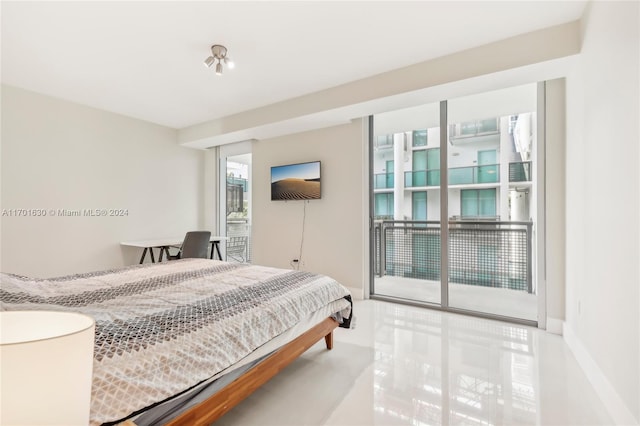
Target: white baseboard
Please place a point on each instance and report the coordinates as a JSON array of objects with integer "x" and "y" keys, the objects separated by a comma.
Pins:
[
  {"x": 555, "y": 325},
  {"x": 607, "y": 393},
  {"x": 356, "y": 293}
]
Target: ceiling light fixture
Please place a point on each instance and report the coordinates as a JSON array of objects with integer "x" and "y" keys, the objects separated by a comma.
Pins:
[{"x": 218, "y": 53}]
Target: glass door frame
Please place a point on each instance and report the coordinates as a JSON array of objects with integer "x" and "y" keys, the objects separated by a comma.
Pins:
[
  {"x": 224, "y": 152},
  {"x": 539, "y": 237}
]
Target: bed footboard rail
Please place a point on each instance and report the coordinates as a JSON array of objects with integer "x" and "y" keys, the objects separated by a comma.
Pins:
[{"x": 231, "y": 395}]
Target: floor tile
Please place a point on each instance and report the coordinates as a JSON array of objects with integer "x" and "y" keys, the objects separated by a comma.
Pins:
[{"x": 405, "y": 365}]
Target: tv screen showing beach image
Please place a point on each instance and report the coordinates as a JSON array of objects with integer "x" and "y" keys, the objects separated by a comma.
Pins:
[{"x": 296, "y": 181}]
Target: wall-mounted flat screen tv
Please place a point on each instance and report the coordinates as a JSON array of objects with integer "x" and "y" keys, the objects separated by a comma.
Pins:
[{"x": 296, "y": 181}]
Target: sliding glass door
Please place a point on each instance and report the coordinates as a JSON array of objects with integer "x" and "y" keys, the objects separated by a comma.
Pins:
[
  {"x": 468, "y": 160},
  {"x": 235, "y": 201},
  {"x": 491, "y": 141},
  {"x": 406, "y": 216}
]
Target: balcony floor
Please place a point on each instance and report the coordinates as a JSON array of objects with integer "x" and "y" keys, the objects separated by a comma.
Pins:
[{"x": 498, "y": 301}]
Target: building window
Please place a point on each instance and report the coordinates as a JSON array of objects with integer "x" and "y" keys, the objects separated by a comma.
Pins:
[
  {"x": 418, "y": 174},
  {"x": 488, "y": 169},
  {"x": 433, "y": 167},
  {"x": 425, "y": 168},
  {"x": 419, "y": 137},
  {"x": 478, "y": 203},
  {"x": 235, "y": 198},
  {"x": 419, "y": 161},
  {"x": 384, "y": 206},
  {"x": 419, "y": 205}
]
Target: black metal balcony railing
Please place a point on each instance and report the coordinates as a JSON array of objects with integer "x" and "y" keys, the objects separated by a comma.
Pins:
[
  {"x": 489, "y": 254},
  {"x": 238, "y": 244},
  {"x": 520, "y": 171}
]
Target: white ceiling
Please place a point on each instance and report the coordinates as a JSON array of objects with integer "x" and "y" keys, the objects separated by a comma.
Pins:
[{"x": 145, "y": 59}]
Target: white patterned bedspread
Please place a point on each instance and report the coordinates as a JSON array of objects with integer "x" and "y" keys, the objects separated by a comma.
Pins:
[{"x": 162, "y": 328}]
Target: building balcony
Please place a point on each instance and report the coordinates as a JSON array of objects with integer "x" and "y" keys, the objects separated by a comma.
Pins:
[
  {"x": 520, "y": 171},
  {"x": 457, "y": 176},
  {"x": 238, "y": 181},
  {"x": 422, "y": 178},
  {"x": 487, "y": 130},
  {"x": 489, "y": 173},
  {"x": 486, "y": 254},
  {"x": 383, "y": 181}
]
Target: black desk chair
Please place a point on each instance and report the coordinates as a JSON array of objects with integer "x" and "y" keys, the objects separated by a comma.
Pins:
[{"x": 195, "y": 245}]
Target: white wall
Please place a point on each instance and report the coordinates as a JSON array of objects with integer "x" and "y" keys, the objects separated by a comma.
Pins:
[
  {"x": 60, "y": 155},
  {"x": 554, "y": 200},
  {"x": 335, "y": 241},
  {"x": 603, "y": 208}
]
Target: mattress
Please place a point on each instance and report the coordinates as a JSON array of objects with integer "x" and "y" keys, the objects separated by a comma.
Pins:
[{"x": 163, "y": 328}]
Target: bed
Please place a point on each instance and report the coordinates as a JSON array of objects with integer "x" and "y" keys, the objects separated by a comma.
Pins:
[{"x": 182, "y": 342}]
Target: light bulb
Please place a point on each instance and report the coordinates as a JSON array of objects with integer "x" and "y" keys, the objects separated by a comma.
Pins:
[
  {"x": 219, "y": 68},
  {"x": 209, "y": 61},
  {"x": 229, "y": 63}
]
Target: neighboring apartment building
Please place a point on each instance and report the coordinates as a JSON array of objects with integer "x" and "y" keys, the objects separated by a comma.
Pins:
[
  {"x": 490, "y": 199},
  {"x": 489, "y": 169}
]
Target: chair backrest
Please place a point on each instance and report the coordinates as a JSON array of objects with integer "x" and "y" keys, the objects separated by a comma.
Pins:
[{"x": 195, "y": 244}]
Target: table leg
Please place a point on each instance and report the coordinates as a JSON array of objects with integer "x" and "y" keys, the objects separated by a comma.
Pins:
[
  {"x": 144, "y": 253},
  {"x": 153, "y": 260},
  {"x": 216, "y": 244}
]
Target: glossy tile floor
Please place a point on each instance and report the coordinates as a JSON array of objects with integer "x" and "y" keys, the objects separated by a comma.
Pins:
[{"x": 405, "y": 365}]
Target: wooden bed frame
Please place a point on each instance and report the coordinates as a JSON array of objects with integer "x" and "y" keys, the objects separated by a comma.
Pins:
[{"x": 231, "y": 395}]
